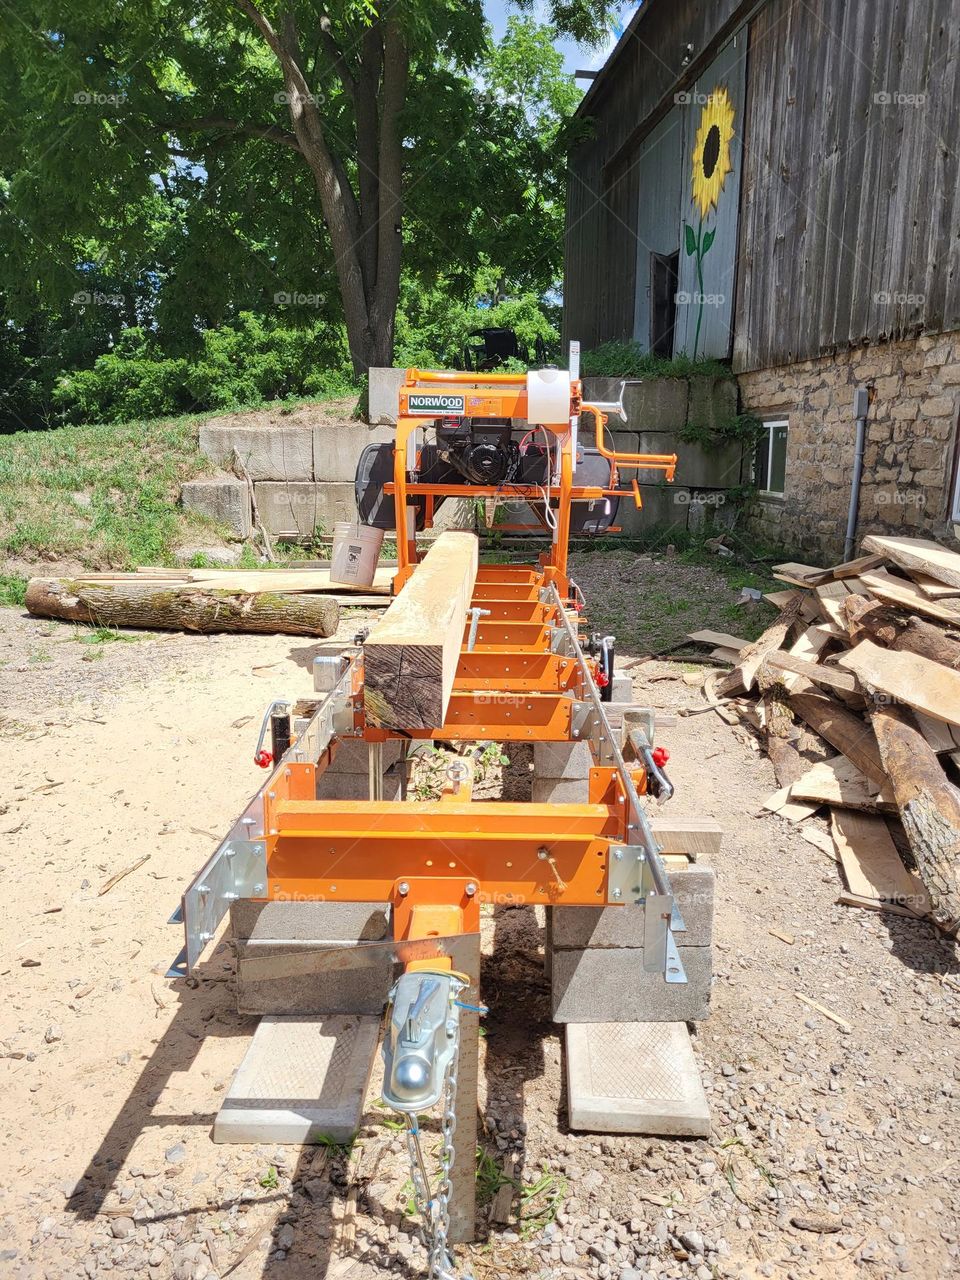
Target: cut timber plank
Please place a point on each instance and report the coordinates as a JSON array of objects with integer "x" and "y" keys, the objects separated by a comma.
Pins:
[
  {"x": 912, "y": 635},
  {"x": 928, "y": 686},
  {"x": 695, "y": 837},
  {"x": 886, "y": 587},
  {"x": 871, "y": 863},
  {"x": 246, "y": 581},
  {"x": 838, "y": 782},
  {"x": 932, "y": 587},
  {"x": 795, "y": 810},
  {"x": 725, "y": 655},
  {"x": 929, "y": 810},
  {"x": 719, "y": 638},
  {"x": 942, "y": 737},
  {"x": 814, "y": 671},
  {"x": 801, "y": 575},
  {"x": 918, "y": 553},
  {"x": 820, "y": 840},
  {"x": 410, "y": 656}
]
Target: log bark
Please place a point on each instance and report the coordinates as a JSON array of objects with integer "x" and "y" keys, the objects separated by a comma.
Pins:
[
  {"x": 929, "y": 810},
  {"x": 909, "y": 634},
  {"x": 751, "y": 658},
  {"x": 158, "y": 605},
  {"x": 841, "y": 728}
]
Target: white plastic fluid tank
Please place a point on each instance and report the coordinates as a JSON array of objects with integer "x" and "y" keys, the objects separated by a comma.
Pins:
[{"x": 548, "y": 397}]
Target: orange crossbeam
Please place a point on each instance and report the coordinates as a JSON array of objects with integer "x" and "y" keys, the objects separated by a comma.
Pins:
[{"x": 538, "y": 672}]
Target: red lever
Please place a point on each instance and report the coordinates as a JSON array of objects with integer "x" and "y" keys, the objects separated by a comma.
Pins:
[
  {"x": 264, "y": 759},
  {"x": 660, "y": 756},
  {"x": 602, "y": 678}
]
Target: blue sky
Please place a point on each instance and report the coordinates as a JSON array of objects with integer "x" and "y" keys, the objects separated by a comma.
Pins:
[{"x": 576, "y": 57}]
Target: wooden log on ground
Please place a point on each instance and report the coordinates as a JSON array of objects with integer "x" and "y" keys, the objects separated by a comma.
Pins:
[
  {"x": 840, "y": 727},
  {"x": 929, "y": 810},
  {"x": 753, "y": 655},
  {"x": 159, "y": 605},
  {"x": 410, "y": 656},
  {"x": 908, "y": 634}
]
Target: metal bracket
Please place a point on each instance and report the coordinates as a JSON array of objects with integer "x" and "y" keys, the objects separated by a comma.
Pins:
[
  {"x": 588, "y": 724},
  {"x": 238, "y": 869}
]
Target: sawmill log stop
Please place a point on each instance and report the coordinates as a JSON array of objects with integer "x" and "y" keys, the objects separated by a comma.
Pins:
[{"x": 348, "y": 898}]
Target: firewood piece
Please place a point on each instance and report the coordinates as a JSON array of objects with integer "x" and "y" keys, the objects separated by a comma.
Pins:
[
  {"x": 751, "y": 658},
  {"x": 840, "y": 727},
  {"x": 909, "y": 635},
  {"x": 410, "y": 656},
  {"x": 172, "y": 607},
  {"x": 929, "y": 810},
  {"x": 906, "y": 677},
  {"x": 918, "y": 553}
]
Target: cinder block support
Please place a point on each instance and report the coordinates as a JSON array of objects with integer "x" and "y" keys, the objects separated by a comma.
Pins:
[
  {"x": 347, "y": 777},
  {"x": 581, "y": 927},
  {"x": 224, "y": 499},
  {"x": 278, "y": 928},
  {"x": 610, "y": 984}
]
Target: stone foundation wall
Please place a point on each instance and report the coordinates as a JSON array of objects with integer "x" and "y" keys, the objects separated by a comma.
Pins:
[{"x": 910, "y": 453}]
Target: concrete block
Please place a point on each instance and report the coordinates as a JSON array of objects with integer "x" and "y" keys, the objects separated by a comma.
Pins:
[
  {"x": 353, "y": 755},
  {"x": 383, "y": 399},
  {"x": 337, "y": 448},
  {"x": 302, "y": 1080},
  {"x": 561, "y": 791},
  {"x": 303, "y": 508},
  {"x": 580, "y": 927},
  {"x": 622, "y": 687},
  {"x": 280, "y": 924},
  {"x": 268, "y": 453},
  {"x": 224, "y": 499},
  {"x": 664, "y": 507},
  {"x": 562, "y": 760},
  {"x": 610, "y": 984},
  {"x": 355, "y": 786},
  {"x": 634, "y": 1077}
]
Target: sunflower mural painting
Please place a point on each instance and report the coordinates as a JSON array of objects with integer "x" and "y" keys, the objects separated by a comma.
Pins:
[{"x": 711, "y": 165}]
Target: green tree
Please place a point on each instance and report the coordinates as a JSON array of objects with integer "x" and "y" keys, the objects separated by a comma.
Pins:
[{"x": 280, "y": 140}]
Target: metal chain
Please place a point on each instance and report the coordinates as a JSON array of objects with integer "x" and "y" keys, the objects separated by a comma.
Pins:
[{"x": 434, "y": 1209}]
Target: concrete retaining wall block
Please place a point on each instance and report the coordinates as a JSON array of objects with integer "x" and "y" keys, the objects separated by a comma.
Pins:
[
  {"x": 337, "y": 449},
  {"x": 223, "y": 499},
  {"x": 303, "y": 507},
  {"x": 268, "y": 453}
]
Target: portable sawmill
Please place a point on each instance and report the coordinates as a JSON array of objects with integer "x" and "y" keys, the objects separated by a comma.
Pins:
[{"x": 465, "y": 653}]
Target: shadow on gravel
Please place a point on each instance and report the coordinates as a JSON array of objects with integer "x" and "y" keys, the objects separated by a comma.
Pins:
[{"x": 920, "y": 946}]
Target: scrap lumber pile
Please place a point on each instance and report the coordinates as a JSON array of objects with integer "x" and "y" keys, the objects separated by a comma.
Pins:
[
  {"x": 300, "y": 602},
  {"x": 854, "y": 693}
]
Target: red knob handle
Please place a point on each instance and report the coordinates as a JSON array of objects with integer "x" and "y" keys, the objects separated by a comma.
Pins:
[
  {"x": 602, "y": 679},
  {"x": 660, "y": 756},
  {"x": 264, "y": 759}
]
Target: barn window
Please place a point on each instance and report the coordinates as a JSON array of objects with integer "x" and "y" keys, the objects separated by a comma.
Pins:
[{"x": 770, "y": 463}]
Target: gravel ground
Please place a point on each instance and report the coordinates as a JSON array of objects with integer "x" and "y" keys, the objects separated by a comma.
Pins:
[{"x": 833, "y": 1150}]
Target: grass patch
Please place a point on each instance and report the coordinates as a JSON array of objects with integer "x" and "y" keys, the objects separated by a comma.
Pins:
[
  {"x": 629, "y": 360},
  {"x": 106, "y": 495},
  {"x": 13, "y": 589}
]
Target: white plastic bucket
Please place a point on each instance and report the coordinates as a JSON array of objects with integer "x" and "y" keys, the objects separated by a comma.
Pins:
[{"x": 356, "y": 549}]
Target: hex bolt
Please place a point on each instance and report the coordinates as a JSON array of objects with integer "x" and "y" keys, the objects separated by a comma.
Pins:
[
  {"x": 543, "y": 853},
  {"x": 258, "y": 888},
  {"x": 618, "y": 855},
  {"x": 470, "y": 889},
  {"x": 617, "y": 893},
  {"x": 403, "y": 888}
]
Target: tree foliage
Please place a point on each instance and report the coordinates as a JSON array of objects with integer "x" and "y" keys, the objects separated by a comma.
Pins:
[{"x": 192, "y": 162}]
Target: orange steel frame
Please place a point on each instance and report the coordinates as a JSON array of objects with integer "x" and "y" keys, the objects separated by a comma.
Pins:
[{"x": 436, "y": 862}]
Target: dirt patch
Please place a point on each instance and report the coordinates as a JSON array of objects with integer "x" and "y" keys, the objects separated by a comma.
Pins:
[{"x": 111, "y": 1074}]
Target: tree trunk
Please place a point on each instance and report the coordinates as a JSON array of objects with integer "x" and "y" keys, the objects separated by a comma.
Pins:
[
  {"x": 157, "y": 605},
  {"x": 929, "y": 810}
]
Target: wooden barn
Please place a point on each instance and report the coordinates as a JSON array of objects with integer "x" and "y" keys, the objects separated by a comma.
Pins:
[{"x": 777, "y": 184}]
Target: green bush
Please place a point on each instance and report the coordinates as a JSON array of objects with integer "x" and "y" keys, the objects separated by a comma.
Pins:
[{"x": 235, "y": 366}]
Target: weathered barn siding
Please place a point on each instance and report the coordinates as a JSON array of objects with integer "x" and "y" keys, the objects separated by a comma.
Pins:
[
  {"x": 850, "y": 208},
  {"x": 850, "y": 203},
  {"x": 649, "y": 65}
]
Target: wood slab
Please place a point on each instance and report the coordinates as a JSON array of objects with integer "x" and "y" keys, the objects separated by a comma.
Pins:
[
  {"x": 899, "y": 591},
  {"x": 843, "y": 680},
  {"x": 795, "y": 810},
  {"x": 410, "y": 656},
  {"x": 871, "y": 863},
  {"x": 932, "y": 588},
  {"x": 719, "y": 638},
  {"x": 906, "y": 677},
  {"x": 918, "y": 553},
  {"x": 838, "y": 782},
  {"x": 801, "y": 575}
]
